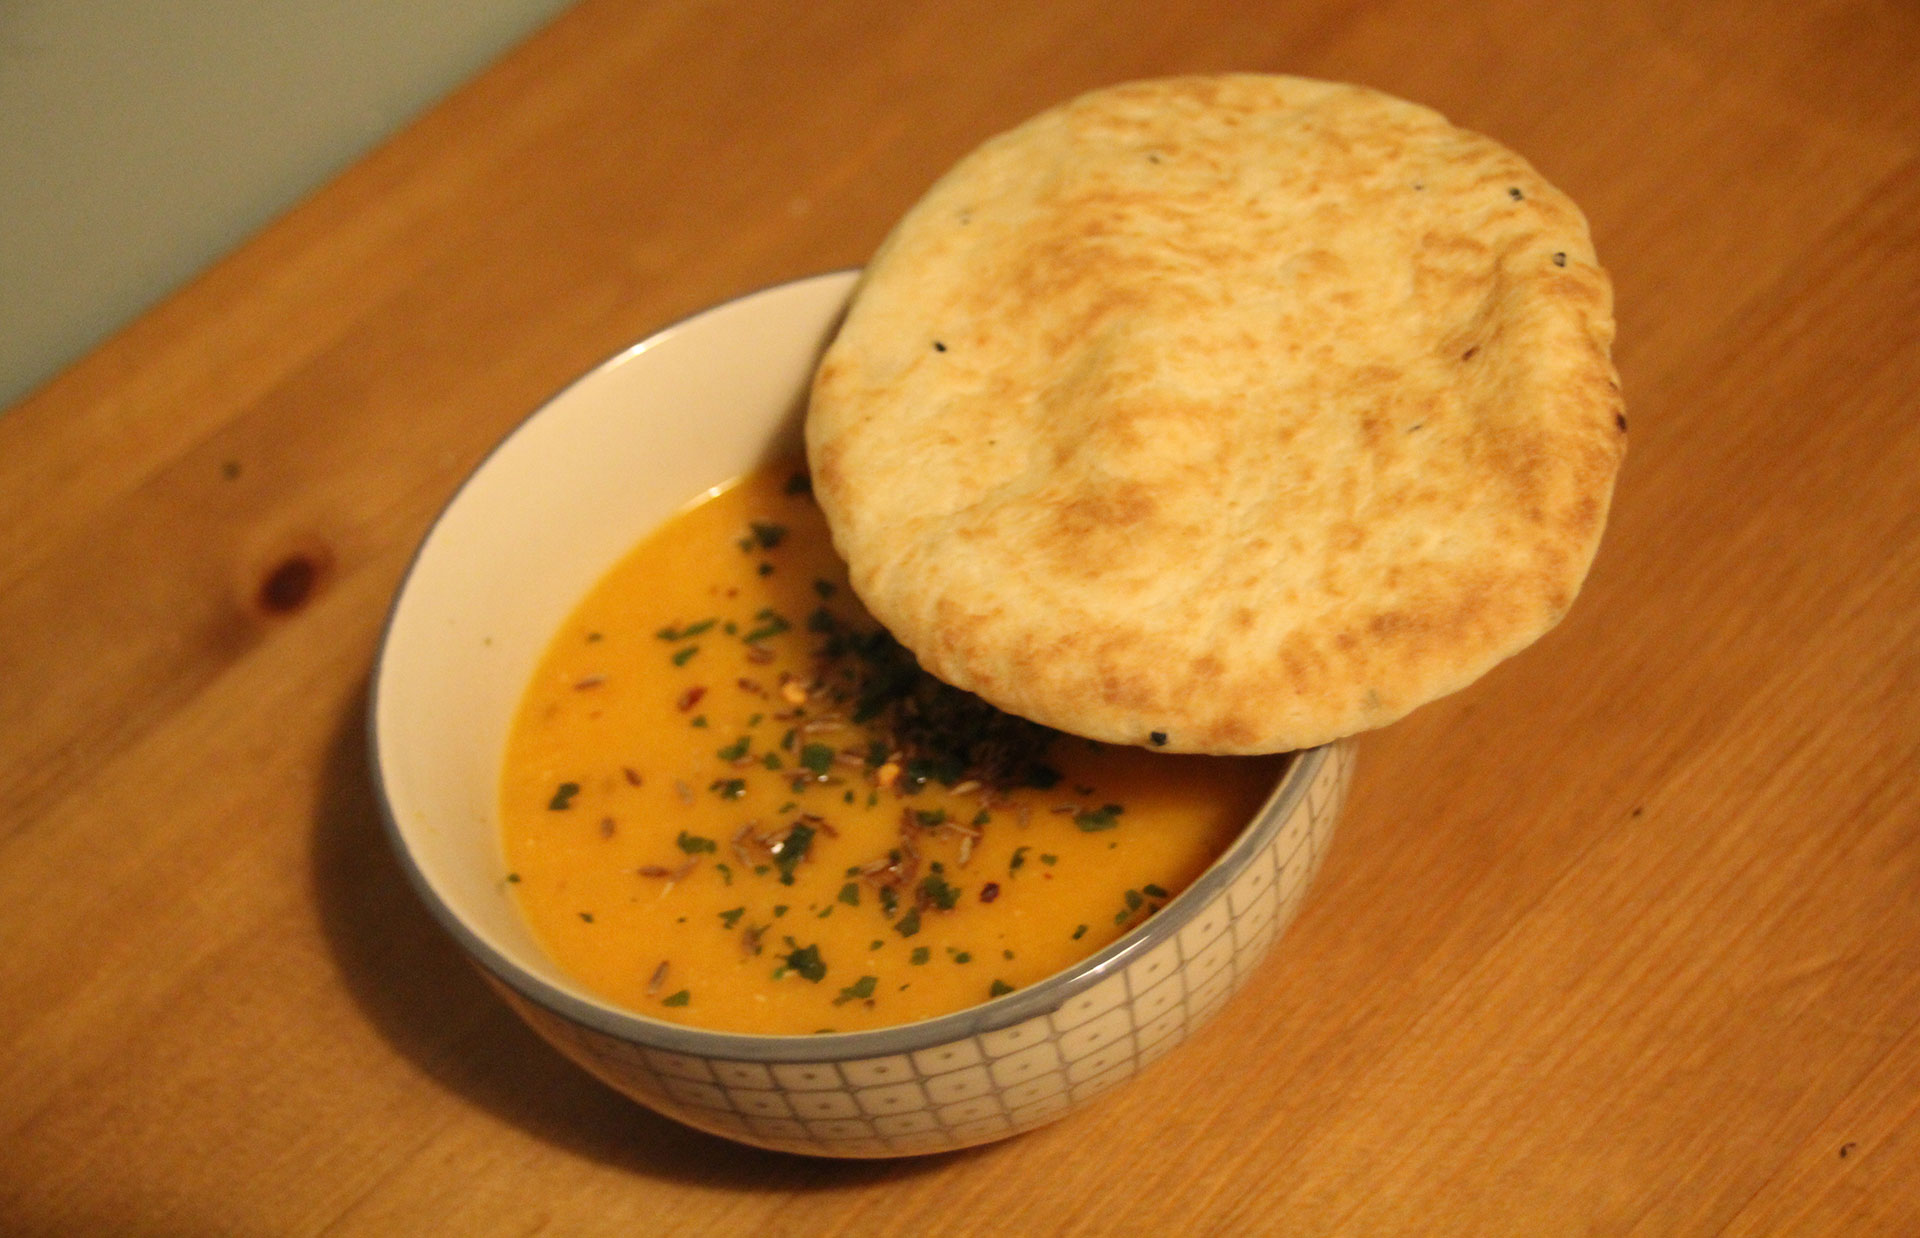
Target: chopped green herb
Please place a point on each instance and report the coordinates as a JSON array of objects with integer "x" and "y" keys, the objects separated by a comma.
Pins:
[
  {"x": 1135, "y": 900},
  {"x": 772, "y": 624},
  {"x": 767, "y": 536},
  {"x": 850, "y": 894},
  {"x": 728, "y": 788},
  {"x": 726, "y": 873},
  {"x": 1049, "y": 860},
  {"x": 1103, "y": 818},
  {"x": 779, "y": 909},
  {"x": 671, "y": 633},
  {"x": 685, "y": 655},
  {"x": 770, "y": 760},
  {"x": 857, "y": 991},
  {"x": 730, "y": 918},
  {"x": 805, "y": 961},
  {"x": 999, "y": 988},
  {"x": 699, "y": 720},
  {"x": 960, "y": 956},
  {"x": 1153, "y": 891},
  {"x": 930, "y": 817},
  {"x": 936, "y": 892},
  {"x": 587, "y": 916},
  {"x": 735, "y": 750},
  {"x": 818, "y": 758},
  {"x": 920, "y": 955},
  {"x": 563, "y": 796},
  {"x": 1019, "y": 860},
  {"x": 693, "y": 844},
  {"x": 982, "y": 817},
  {"x": 1080, "y": 932},
  {"x": 908, "y": 924},
  {"x": 789, "y": 851},
  {"x": 875, "y": 944},
  {"x": 677, "y": 999},
  {"x": 513, "y": 878}
]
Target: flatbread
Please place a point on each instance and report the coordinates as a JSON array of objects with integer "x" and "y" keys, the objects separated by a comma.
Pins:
[{"x": 1223, "y": 414}]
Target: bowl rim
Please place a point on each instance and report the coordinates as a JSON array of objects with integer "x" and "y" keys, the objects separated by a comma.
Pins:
[{"x": 632, "y": 1027}]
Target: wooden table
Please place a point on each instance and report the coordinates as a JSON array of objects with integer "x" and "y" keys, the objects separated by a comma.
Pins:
[{"x": 1624, "y": 938}]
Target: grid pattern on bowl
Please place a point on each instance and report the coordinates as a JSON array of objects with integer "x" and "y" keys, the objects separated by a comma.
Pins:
[{"x": 996, "y": 1083}]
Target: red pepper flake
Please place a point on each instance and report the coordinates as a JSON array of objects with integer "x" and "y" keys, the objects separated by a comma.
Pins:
[
  {"x": 691, "y": 697},
  {"x": 752, "y": 685},
  {"x": 632, "y": 775},
  {"x": 659, "y": 979},
  {"x": 607, "y": 827},
  {"x": 989, "y": 891},
  {"x": 759, "y": 654}
]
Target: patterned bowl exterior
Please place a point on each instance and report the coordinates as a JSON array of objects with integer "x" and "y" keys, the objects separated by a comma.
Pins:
[{"x": 1001, "y": 1068}]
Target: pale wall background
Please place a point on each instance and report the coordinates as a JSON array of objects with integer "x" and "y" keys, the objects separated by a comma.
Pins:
[{"x": 142, "y": 139}]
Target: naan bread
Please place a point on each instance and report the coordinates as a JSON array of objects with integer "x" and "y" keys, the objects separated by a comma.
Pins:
[{"x": 1223, "y": 414}]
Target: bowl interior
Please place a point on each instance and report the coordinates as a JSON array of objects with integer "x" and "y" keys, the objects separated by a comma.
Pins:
[{"x": 547, "y": 513}]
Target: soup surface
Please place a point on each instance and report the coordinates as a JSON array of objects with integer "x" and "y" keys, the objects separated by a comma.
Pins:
[{"x": 730, "y": 800}]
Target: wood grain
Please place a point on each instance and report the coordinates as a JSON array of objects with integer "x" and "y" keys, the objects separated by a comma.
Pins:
[{"x": 1624, "y": 939}]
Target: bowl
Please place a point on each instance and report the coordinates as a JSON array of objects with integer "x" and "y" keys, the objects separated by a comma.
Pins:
[{"x": 562, "y": 498}]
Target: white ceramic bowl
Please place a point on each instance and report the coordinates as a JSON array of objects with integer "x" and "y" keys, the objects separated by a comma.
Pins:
[{"x": 547, "y": 513}]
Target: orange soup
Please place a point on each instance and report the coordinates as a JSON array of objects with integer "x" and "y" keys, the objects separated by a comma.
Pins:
[{"x": 731, "y": 800}]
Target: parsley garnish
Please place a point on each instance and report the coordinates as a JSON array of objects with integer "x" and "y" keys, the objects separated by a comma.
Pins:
[
  {"x": 790, "y": 850},
  {"x": 677, "y": 999},
  {"x": 692, "y": 629},
  {"x": 693, "y": 844},
  {"x": 730, "y": 918},
  {"x": 563, "y": 796},
  {"x": 1103, "y": 818},
  {"x": 805, "y": 961},
  {"x": 818, "y": 758},
  {"x": 733, "y": 751},
  {"x": 858, "y": 990},
  {"x": 999, "y": 988},
  {"x": 936, "y": 892}
]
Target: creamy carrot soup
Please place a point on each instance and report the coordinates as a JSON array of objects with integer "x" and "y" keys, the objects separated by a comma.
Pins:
[{"x": 730, "y": 800}]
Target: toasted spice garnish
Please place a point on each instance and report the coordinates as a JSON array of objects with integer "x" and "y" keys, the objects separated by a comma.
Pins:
[{"x": 659, "y": 978}]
